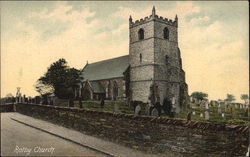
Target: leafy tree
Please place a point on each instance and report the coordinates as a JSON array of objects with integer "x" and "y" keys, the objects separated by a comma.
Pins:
[
  {"x": 9, "y": 95},
  {"x": 230, "y": 98},
  {"x": 9, "y": 98},
  {"x": 61, "y": 79},
  {"x": 199, "y": 95},
  {"x": 43, "y": 89},
  {"x": 244, "y": 97}
]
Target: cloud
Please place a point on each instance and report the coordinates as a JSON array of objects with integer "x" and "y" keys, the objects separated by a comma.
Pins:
[
  {"x": 212, "y": 58},
  {"x": 214, "y": 53},
  {"x": 78, "y": 42}
]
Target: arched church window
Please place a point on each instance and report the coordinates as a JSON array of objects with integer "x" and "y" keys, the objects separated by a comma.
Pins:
[
  {"x": 140, "y": 57},
  {"x": 115, "y": 90},
  {"x": 166, "y": 33},
  {"x": 141, "y": 34}
]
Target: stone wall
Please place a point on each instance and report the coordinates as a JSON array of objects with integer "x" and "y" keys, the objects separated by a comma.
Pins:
[
  {"x": 108, "y": 88},
  {"x": 150, "y": 134},
  {"x": 6, "y": 108}
]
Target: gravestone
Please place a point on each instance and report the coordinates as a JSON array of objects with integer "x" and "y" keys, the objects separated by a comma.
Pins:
[
  {"x": 148, "y": 107},
  {"x": 206, "y": 115},
  {"x": 219, "y": 109},
  {"x": 206, "y": 105},
  {"x": 155, "y": 112},
  {"x": 137, "y": 110},
  {"x": 222, "y": 115},
  {"x": 193, "y": 112},
  {"x": 189, "y": 116},
  {"x": 116, "y": 108},
  {"x": 201, "y": 115},
  {"x": 236, "y": 105}
]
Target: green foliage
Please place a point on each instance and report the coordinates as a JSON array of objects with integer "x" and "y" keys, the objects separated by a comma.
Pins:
[
  {"x": 244, "y": 97},
  {"x": 61, "y": 78},
  {"x": 230, "y": 98},
  {"x": 199, "y": 95}
]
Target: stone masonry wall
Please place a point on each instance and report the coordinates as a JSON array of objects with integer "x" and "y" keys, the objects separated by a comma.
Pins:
[
  {"x": 151, "y": 134},
  {"x": 108, "y": 87}
]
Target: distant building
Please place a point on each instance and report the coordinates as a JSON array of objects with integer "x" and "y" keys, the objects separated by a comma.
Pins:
[{"x": 154, "y": 60}]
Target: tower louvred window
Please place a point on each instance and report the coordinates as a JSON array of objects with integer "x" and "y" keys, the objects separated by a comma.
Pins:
[
  {"x": 141, "y": 34},
  {"x": 166, "y": 33}
]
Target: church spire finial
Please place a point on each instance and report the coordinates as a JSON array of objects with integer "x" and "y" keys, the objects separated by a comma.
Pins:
[{"x": 153, "y": 11}]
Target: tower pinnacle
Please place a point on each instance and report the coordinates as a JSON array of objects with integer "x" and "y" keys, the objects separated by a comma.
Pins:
[
  {"x": 130, "y": 18},
  {"x": 153, "y": 11},
  {"x": 176, "y": 18}
]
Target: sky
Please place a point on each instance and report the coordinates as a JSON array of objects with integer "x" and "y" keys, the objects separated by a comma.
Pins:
[{"x": 213, "y": 39}]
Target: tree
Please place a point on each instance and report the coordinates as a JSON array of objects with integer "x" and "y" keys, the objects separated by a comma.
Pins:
[
  {"x": 244, "y": 97},
  {"x": 43, "y": 89},
  {"x": 199, "y": 95},
  {"x": 61, "y": 78},
  {"x": 230, "y": 98},
  {"x": 9, "y": 98}
]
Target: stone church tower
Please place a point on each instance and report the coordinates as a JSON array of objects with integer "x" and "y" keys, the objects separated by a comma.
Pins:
[{"x": 154, "y": 58}]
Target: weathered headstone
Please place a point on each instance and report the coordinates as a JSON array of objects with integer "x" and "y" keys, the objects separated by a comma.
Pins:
[
  {"x": 148, "y": 106},
  {"x": 222, "y": 115},
  {"x": 219, "y": 109},
  {"x": 116, "y": 108},
  {"x": 206, "y": 105},
  {"x": 193, "y": 112},
  {"x": 189, "y": 116},
  {"x": 206, "y": 115},
  {"x": 154, "y": 112},
  {"x": 236, "y": 105},
  {"x": 137, "y": 110},
  {"x": 201, "y": 115}
]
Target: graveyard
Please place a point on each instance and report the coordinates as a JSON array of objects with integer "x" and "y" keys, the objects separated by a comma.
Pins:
[{"x": 232, "y": 114}]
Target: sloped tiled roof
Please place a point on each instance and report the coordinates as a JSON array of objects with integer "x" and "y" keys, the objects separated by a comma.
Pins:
[{"x": 106, "y": 69}]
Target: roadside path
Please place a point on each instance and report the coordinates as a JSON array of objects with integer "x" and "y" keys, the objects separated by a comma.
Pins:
[{"x": 31, "y": 132}]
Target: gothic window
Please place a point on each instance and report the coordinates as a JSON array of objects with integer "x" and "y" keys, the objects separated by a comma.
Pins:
[
  {"x": 166, "y": 33},
  {"x": 115, "y": 90},
  {"x": 140, "y": 57},
  {"x": 141, "y": 34}
]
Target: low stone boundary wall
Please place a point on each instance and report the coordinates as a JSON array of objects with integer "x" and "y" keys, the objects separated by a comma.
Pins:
[
  {"x": 146, "y": 133},
  {"x": 7, "y": 108},
  {"x": 214, "y": 127}
]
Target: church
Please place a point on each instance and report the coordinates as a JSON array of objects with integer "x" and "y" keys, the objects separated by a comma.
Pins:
[{"x": 153, "y": 67}]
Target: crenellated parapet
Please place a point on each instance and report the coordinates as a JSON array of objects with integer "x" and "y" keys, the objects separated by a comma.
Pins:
[{"x": 152, "y": 17}]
